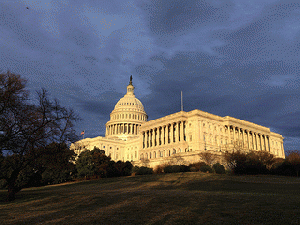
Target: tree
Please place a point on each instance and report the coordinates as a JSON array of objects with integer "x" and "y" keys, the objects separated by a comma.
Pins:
[
  {"x": 207, "y": 157},
  {"x": 247, "y": 163},
  {"x": 55, "y": 164},
  {"x": 95, "y": 163},
  {"x": 27, "y": 126},
  {"x": 293, "y": 159},
  {"x": 84, "y": 164}
]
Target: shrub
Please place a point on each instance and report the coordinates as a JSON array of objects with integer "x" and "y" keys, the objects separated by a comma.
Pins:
[
  {"x": 184, "y": 168},
  {"x": 196, "y": 166},
  {"x": 206, "y": 168},
  {"x": 144, "y": 170},
  {"x": 172, "y": 169},
  {"x": 218, "y": 168},
  {"x": 158, "y": 169},
  {"x": 176, "y": 168},
  {"x": 248, "y": 163}
]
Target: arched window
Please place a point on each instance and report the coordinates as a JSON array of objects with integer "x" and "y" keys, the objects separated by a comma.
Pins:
[
  {"x": 154, "y": 154},
  {"x": 150, "y": 155},
  {"x": 142, "y": 156}
]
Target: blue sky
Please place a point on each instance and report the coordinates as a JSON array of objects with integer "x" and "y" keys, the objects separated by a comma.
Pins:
[{"x": 237, "y": 58}]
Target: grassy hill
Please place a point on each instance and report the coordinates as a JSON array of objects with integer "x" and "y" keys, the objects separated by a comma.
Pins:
[{"x": 185, "y": 198}]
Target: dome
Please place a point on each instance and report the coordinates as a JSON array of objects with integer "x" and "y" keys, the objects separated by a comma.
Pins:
[
  {"x": 127, "y": 116},
  {"x": 129, "y": 103}
]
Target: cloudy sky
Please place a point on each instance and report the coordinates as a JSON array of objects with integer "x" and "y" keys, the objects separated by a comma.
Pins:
[{"x": 236, "y": 58}]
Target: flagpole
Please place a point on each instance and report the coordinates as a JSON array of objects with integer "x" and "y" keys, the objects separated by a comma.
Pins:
[{"x": 181, "y": 102}]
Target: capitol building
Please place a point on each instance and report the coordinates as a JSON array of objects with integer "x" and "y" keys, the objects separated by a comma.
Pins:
[{"x": 175, "y": 138}]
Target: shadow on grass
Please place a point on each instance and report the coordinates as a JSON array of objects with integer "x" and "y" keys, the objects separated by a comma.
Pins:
[{"x": 183, "y": 198}]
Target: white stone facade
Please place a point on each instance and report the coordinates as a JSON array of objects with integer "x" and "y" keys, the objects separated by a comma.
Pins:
[{"x": 183, "y": 135}]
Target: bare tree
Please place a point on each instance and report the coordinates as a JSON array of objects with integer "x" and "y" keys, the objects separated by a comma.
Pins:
[
  {"x": 24, "y": 127},
  {"x": 207, "y": 157}
]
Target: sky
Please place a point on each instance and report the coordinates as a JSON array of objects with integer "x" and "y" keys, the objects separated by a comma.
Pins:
[{"x": 237, "y": 58}]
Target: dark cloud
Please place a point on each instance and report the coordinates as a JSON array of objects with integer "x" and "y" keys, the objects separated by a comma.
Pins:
[
  {"x": 230, "y": 58},
  {"x": 170, "y": 17}
]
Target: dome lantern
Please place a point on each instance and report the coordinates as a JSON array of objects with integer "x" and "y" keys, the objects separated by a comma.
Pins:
[{"x": 130, "y": 87}]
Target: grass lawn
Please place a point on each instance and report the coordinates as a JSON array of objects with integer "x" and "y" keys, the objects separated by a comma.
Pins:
[{"x": 182, "y": 198}]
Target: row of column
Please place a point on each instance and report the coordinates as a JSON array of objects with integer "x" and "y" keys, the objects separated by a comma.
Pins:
[
  {"x": 129, "y": 116},
  {"x": 249, "y": 139},
  {"x": 162, "y": 135},
  {"x": 122, "y": 128}
]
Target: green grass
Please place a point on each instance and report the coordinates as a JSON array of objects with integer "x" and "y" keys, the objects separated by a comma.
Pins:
[{"x": 183, "y": 198}]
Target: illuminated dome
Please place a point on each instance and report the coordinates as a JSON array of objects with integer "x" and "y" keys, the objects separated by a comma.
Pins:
[
  {"x": 127, "y": 116},
  {"x": 129, "y": 102}
]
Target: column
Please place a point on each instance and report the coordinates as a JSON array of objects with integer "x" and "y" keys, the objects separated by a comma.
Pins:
[
  {"x": 238, "y": 136},
  {"x": 181, "y": 131},
  {"x": 173, "y": 134},
  {"x": 229, "y": 136},
  {"x": 248, "y": 139},
  {"x": 148, "y": 134},
  {"x": 267, "y": 143},
  {"x": 168, "y": 133},
  {"x": 177, "y": 132},
  {"x": 184, "y": 131},
  {"x": 256, "y": 141},
  {"x": 233, "y": 135},
  {"x": 243, "y": 139},
  {"x": 153, "y": 136},
  {"x": 164, "y": 135}
]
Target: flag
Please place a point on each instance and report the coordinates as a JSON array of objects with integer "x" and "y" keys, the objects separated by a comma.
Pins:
[{"x": 82, "y": 133}]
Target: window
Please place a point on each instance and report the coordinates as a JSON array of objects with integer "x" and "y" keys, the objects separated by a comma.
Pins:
[{"x": 191, "y": 138}]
